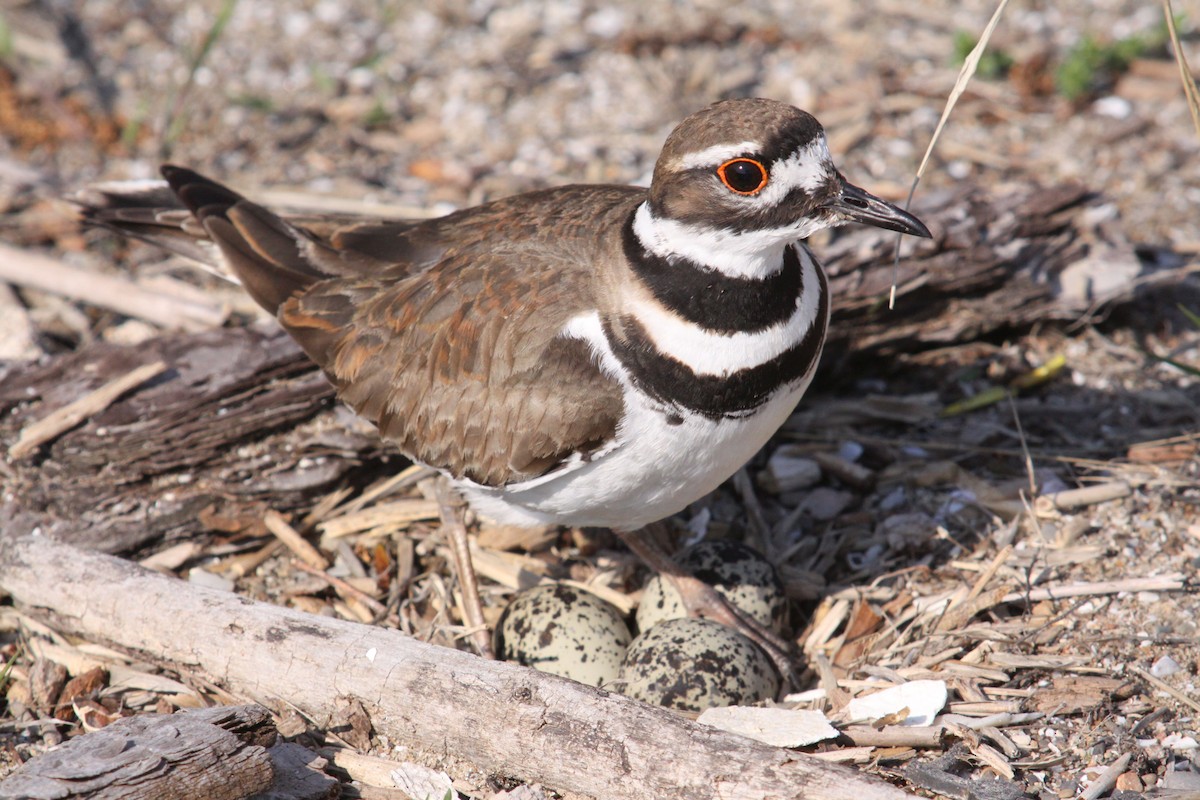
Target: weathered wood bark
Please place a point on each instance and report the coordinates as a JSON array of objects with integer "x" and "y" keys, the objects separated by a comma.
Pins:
[
  {"x": 506, "y": 719},
  {"x": 241, "y": 421},
  {"x": 999, "y": 260},
  {"x": 217, "y": 753}
]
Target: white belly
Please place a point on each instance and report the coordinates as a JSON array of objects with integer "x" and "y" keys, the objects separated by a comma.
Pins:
[{"x": 654, "y": 470}]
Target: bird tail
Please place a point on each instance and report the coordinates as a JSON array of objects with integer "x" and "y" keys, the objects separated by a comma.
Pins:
[{"x": 198, "y": 218}]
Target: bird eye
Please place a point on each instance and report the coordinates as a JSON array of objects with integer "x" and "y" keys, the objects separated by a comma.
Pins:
[{"x": 745, "y": 176}]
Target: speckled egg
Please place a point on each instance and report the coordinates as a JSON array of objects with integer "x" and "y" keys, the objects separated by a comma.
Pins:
[
  {"x": 564, "y": 631},
  {"x": 694, "y": 664},
  {"x": 737, "y": 571}
]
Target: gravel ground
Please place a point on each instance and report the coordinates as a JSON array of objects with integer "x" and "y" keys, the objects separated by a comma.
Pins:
[{"x": 444, "y": 104}]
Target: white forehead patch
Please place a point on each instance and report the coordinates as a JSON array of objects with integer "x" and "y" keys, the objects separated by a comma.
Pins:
[
  {"x": 717, "y": 155},
  {"x": 809, "y": 168}
]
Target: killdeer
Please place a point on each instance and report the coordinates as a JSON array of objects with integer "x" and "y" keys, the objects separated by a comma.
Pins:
[{"x": 583, "y": 355}]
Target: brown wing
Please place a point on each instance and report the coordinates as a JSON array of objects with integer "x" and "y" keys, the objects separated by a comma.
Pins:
[{"x": 444, "y": 333}]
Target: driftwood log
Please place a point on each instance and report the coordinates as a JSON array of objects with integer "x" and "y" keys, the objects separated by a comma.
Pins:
[
  {"x": 224, "y": 753},
  {"x": 239, "y": 421},
  {"x": 506, "y": 719}
]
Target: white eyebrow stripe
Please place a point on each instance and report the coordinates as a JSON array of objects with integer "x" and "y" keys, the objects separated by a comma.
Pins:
[{"x": 717, "y": 155}]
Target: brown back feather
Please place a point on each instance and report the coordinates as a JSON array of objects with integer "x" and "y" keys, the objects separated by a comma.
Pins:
[{"x": 445, "y": 332}]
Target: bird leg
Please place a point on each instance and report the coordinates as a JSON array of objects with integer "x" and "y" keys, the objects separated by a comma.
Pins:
[
  {"x": 702, "y": 600},
  {"x": 456, "y": 536}
]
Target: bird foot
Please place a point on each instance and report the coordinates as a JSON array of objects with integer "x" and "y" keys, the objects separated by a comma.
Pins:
[{"x": 702, "y": 600}]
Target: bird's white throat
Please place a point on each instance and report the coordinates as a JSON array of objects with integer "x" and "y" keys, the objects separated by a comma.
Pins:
[{"x": 754, "y": 254}]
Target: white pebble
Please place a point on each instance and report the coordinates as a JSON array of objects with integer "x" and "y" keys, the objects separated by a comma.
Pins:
[
  {"x": 1113, "y": 106},
  {"x": 1164, "y": 667},
  {"x": 851, "y": 451}
]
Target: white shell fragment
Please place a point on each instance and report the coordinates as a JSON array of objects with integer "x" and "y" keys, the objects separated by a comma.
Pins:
[
  {"x": 779, "y": 727},
  {"x": 564, "y": 631},
  {"x": 923, "y": 699}
]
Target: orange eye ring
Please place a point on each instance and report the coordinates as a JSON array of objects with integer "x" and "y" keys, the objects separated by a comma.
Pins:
[{"x": 743, "y": 176}]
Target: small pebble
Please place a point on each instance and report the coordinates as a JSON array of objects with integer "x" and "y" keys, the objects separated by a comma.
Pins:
[
  {"x": 1164, "y": 667},
  {"x": 786, "y": 472},
  {"x": 1129, "y": 782},
  {"x": 850, "y": 451},
  {"x": 1113, "y": 106},
  {"x": 824, "y": 503}
]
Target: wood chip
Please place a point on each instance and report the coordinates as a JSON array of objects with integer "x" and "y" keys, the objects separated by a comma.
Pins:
[
  {"x": 986, "y": 709},
  {"x": 173, "y": 557},
  {"x": 1075, "y": 694},
  {"x": 846, "y": 755},
  {"x": 923, "y": 736},
  {"x": 836, "y": 696},
  {"x": 993, "y": 758},
  {"x": 516, "y": 537},
  {"x": 285, "y": 533},
  {"x": 848, "y": 472}
]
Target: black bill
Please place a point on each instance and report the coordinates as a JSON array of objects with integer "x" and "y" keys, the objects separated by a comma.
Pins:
[{"x": 857, "y": 205}]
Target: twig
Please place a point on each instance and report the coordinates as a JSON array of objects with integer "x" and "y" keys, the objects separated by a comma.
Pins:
[
  {"x": 1159, "y": 683},
  {"x": 1088, "y": 495},
  {"x": 1108, "y": 779},
  {"x": 58, "y": 422},
  {"x": 36, "y": 271},
  {"x": 970, "y": 64},
  {"x": 394, "y": 513},
  {"x": 1157, "y": 583},
  {"x": 926, "y": 736},
  {"x": 285, "y": 533},
  {"x": 1024, "y": 447},
  {"x": 456, "y": 536},
  {"x": 342, "y": 586},
  {"x": 989, "y": 572},
  {"x": 1002, "y": 720},
  {"x": 1190, "y": 92},
  {"x": 754, "y": 512}
]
